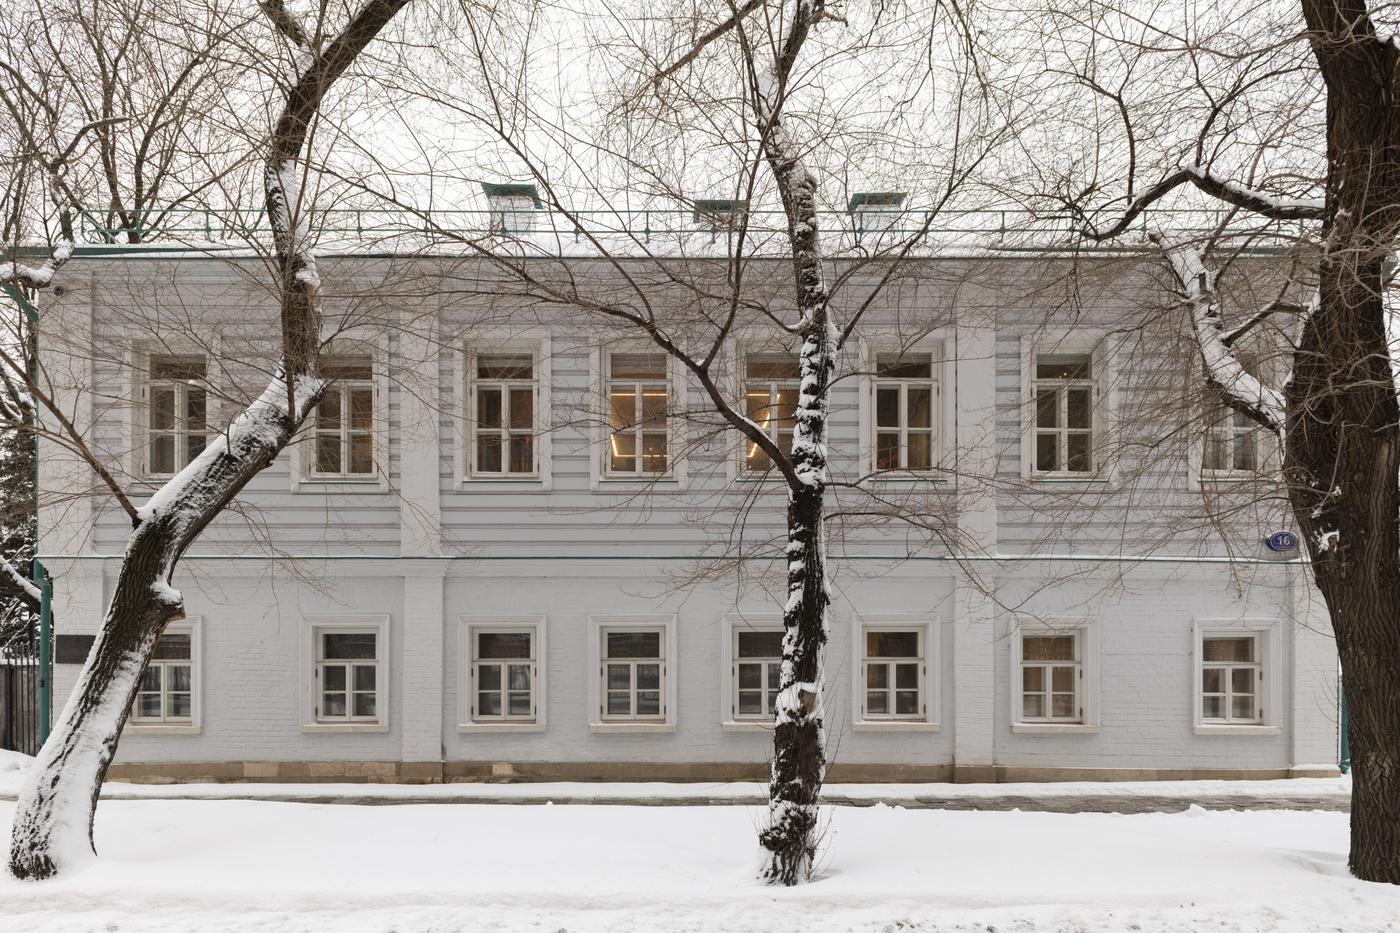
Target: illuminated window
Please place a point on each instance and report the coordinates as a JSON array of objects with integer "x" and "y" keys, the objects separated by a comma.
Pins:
[{"x": 638, "y": 398}]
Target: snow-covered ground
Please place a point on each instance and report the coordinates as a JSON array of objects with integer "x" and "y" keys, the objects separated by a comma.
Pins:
[{"x": 253, "y": 865}]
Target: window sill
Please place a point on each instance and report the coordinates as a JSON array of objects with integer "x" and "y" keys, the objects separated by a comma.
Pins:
[
  {"x": 1054, "y": 728},
  {"x": 349, "y": 486},
  {"x": 158, "y": 728},
  {"x": 327, "y": 728},
  {"x": 1227, "y": 729},
  {"x": 1059, "y": 478},
  {"x": 619, "y": 728},
  {"x": 502, "y": 482},
  {"x": 1207, "y": 478},
  {"x": 870, "y": 725},
  {"x": 738, "y": 725},
  {"x": 477, "y": 728}
]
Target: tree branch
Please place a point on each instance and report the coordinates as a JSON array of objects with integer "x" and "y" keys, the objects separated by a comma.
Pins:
[{"x": 14, "y": 585}]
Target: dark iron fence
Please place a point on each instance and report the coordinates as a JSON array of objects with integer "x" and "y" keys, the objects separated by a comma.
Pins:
[{"x": 19, "y": 700}]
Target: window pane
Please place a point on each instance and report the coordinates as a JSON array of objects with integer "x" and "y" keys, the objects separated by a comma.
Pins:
[
  {"x": 179, "y": 677},
  {"x": 194, "y": 446},
  {"x": 520, "y": 704},
  {"x": 150, "y": 679},
  {"x": 1242, "y": 680},
  {"x": 148, "y": 705},
  {"x": 1063, "y": 705},
  {"x": 1046, "y": 457},
  {"x": 333, "y": 678},
  {"x": 180, "y": 706},
  {"x": 756, "y": 402},
  {"x": 519, "y": 677},
  {"x": 877, "y": 675},
  {"x": 1077, "y": 415},
  {"x": 904, "y": 366},
  {"x": 750, "y": 677},
  {"x": 619, "y": 704},
  {"x": 785, "y": 409},
  {"x": 347, "y": 645},
  {"x": 920, "y": 407},
  {"x": 346, "y": 369},
  {"x": 1210, "y": 680},
  {"x": 624, "y": 453},
  {"x": 488, "y": 704},
  {"x": 333, "y": 704},
  {"x": 638, "y": 366},
  {"x": 892, "y": 644},
  {"x": 887, "y": 406},
  {"x": 488, "y": 453},
  {"x": 162, "y": 408},
  {"x": 775, "y": 676},
  {"x": 877, "y": 702},
  {"x": 177, "y": 368},
  {"x": 653, "y": 453},
  {"x": 1047, "y": 408},
  {"x": 364, "y": 704},
  {"x": 654, "y": 407},
  {"x": 772, "y": 366},
  {"x": 1032, "y": 679},
  {"x": 327, "y": 453},
  {"x": 1047, "y": 647},
  {"x": 1033, "y": 706},
  {"x": 362, "y": 409},
  {"x": 751, "y": 702},
  {"x": 648, "y": 676},
  {"x": 1063, "y": 367},
  {"x": 634, "y": 644},
  {"x": 1244, "y": 452},
  {"x": 505, "y": 366},
  {"x": 906, "y": 702},
  {"x": 1213, "y": 707},
  {"x": 503, "y": 644},
  {"x": 522, "y": 453},
  {"x": 1214, "y": 456},
  {"x": 1229, "y": 649},
  {"x": 328, "y": 412},
  {"x": 1062, "y": 679},
  {"x": 489, "y": 677},
  {"x": 887, "y": 451},
  {"x": 648, "y": 703},
  {"x": 1242, "y": 707},
  {"x": 488, "y": 408},
  {"x": 1079, "y": 461},
  {"x": 522, "y": 408},
  {"x": 364, "y": 677},
  {"x": 623, "y": 407},
  {"x": 760, "y": 644},
  {"x": 361, "y": 454},
  {"x": 163, "y": 454},
  {"x": 906, "y": 676},
  {"x": 174, "y": 646},
  {"x": 194, "y": 409},
  {"x": 619, "y": 677}
]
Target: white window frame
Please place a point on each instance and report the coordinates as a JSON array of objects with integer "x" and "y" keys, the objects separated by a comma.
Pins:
[
  {"x": 1268, "y": 686},
  {"x": 1102, "y": 409},
  {"x": 191, "y": 626},
  {"x": 1086, "y": 634},
  {"x": 600, "y": 476},
  {"x": 730, "y": 627},
  {"x": 304, "y": 478},
  {"x": 468, "y": 628},
  {"x": 943, "y": 414},
  {"x": 598, "y": 626},
  {"x": 536, "y": 342},
  {"x": 312, "y": 627},
  {"x": 931, "y": 654}
]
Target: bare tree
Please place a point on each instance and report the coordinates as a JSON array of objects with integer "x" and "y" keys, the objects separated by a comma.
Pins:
[
  {"x": 53, "y": 821},
  {"x": 1284, "y": 127}
]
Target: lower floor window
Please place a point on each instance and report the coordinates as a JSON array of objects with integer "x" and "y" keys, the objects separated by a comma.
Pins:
[
  {"x": 758, "y": 660},
  {"x": 1050, "y": 676},
  {"x": 893, "y": 671},
  {"x": 347, "y": 675},
  {"x": 1230, "y": 678},
  {"x": 634, "y": 673},
  {"x": 503, "y": 675},
  {"x": 165, "y": 692}
]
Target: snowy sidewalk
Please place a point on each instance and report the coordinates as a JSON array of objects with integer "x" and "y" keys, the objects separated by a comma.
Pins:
[{"x": 219, "y": 866}]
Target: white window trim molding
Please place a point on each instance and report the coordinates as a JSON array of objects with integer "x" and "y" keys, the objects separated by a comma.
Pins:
[
  {"x": 932, "y": 681},
  {"x": 539, "y": 341},
  {"x": 1087, "y": 630},
  {"x": 135, "y": 430},
  {"x": 350, "y": 343},
  {"x": 596, "y": 625},
  {"x": 676, "y": 431},
  {"x": 1102, "y": 351},
  {"x": 730, "y": 624},
  {"x": 1270, "y": 634},
  {"x": 192, "y": 626},
  {"x": 311, "y": 624},
  {"x": 869, "y": 347},
  {"x": 468, "y": 626}
]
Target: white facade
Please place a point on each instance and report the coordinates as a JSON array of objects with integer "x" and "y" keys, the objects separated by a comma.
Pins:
[{"x": 421, "y": 605}]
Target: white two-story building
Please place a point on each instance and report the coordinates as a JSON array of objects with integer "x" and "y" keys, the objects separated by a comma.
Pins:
[{"x": 514, "y": 542}]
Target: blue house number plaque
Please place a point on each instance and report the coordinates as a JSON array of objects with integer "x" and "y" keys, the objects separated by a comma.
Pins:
[{"x": 1282, "y": 541}]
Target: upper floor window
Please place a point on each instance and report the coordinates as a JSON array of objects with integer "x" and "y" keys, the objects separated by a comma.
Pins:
[
  {"x": 905, "y": 391},
  {"x": 638, "y": 398},
  {"x": 771, "y": 383},
  {"x": 1231, "y": 442},
  {"x": 343, "y": 424},
  {"x": 165, "y": 693},
  {"x": 1063, "y": 390},
  {"x": 506, "y": 390},
  {"x": 177, "y": 409}
]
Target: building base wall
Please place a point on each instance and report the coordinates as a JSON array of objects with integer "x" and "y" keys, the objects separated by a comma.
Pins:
[{"x": 504, "y": 772}]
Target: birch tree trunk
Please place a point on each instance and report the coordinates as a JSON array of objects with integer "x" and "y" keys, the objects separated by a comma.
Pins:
[{"x": 52, "y": 827}]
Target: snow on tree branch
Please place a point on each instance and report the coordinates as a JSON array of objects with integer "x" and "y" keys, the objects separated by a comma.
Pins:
[
  {"x": 1243, "y": 391},
  {"x": 14, "y": 584}
]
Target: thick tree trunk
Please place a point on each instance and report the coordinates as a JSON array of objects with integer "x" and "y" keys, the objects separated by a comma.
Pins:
[{"x": 53, "y": 819}]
